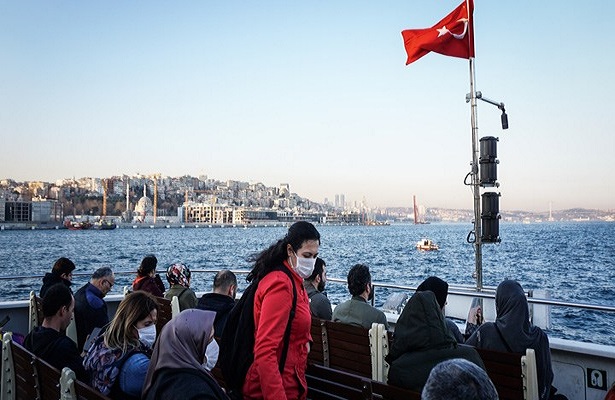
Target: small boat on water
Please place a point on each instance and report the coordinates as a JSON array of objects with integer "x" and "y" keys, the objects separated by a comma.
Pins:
[
  {"x": 77, "y": 225},
  {"x": 104, "y": 225},
  {"x": 426, "y": 245}
]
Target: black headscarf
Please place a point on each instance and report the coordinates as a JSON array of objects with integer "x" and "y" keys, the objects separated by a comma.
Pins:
[{"x": 437, "y": 286}]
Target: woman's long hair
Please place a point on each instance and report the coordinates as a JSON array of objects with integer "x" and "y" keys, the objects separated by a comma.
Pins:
[
  {"x": 275, "y": 255},
  {"x": 135, "y": 307}
]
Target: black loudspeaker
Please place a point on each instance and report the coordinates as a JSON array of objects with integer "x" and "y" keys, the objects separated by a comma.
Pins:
[
  {"x": 490, "y": 217},
  {"x": 488, "y": 161}
]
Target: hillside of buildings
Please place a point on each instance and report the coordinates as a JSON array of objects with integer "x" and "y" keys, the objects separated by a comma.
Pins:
[{"x": 202, "y": 199}]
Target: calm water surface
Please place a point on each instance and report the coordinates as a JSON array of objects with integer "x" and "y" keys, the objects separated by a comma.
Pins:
[{"x": 575, "y": 261}]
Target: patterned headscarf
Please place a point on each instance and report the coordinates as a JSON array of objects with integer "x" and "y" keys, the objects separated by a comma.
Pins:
[{"x": 178, "y": 274}]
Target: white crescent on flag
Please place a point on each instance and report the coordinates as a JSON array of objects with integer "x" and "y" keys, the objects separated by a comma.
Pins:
[{"x": 444, "y": 30}]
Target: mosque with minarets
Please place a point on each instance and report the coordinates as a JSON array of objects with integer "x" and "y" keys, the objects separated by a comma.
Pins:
[{"x": 144, "y": 208}]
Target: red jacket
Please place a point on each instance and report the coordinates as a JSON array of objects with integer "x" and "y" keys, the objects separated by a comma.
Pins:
[
  {"x": 147, "y": 283},
  {"x": 272, "y": 303}
]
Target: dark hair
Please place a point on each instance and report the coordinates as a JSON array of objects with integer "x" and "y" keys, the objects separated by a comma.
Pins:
[
  {"x": 319, "y": 266},
  {"x": 224, "y": 279},
  {"x": 56, "y": 297},
  {"x": 148, "y": 264},
  {"x": 63, "y": 266},
  {"x": 298, "y": 233},
  {"x": 358, "y": 278},
  {"x": 102, "y": 272}
]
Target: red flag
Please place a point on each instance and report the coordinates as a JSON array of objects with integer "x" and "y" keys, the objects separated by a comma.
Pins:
[{"x": 452, "y": 36}]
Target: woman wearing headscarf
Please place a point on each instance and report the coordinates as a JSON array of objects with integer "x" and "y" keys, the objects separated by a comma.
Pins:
[
  {"x": 178, "y": 276},
  {"x": 512, "y": 332},
  {"x": 440, "y": 289},
  {"x": 177, "y": 370},
  {"x": 118, "y": 360},
  {"x": 147, "y": 279},
  {"x": 421, "y": 341}
]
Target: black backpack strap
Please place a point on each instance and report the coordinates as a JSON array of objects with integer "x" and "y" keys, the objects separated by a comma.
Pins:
[{"x": 291, "y": 316}]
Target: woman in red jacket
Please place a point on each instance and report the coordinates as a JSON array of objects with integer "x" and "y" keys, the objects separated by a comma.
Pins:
[
  {"x": 273, "y": 300},
  {"x": 147, "y": 279}
]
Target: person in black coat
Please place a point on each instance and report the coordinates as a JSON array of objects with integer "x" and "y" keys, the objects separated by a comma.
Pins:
[
  {"x": 48, "y": 340},
  {"x": 61, "y": 272},
  {"x": 90, "y": 308},
  {"x": 221, "y": 300}
]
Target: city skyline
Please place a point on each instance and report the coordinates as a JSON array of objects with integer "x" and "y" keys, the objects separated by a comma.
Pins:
[{"x": 315, "y": 95}]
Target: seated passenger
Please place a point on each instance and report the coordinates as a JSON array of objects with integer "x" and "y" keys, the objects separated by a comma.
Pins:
[
  {"x": 458, "y": 379},
  {"x": 90, "y": 308},
  {"x": 177, "y": 370},
  {"x": 512, "y": 332},
  {"x": 320, "y": 306},
  {"x": 221, "y": 300},
  {"x": 118, "y": 359},
  {"x": 178, "y": 276},
  {"x": 48, "y": 340},
  {"x": 61, "y": 272},
  {"x": 421, "y": 341},
  {"x": 440, "y": 289},
  {"x": 147, "y": 279},
  {"x": 357, "y": 311}
]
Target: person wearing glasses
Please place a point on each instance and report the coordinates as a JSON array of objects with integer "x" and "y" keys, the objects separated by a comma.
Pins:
[{"x": 90, "y": 308}]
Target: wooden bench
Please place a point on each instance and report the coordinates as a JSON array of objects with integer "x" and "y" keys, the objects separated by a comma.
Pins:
[
  {"x": 332, "y": 384},
  {"x": 347, "y": 347},
  {"x": 26, "y": 377},
  {"x": 513, "y": 375}
]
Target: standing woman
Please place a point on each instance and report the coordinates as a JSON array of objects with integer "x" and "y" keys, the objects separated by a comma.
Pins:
[
  {"x": 273, "y": 299},
  {"x": 118, "y": 360},
  {"x": 147, "y": 279}
]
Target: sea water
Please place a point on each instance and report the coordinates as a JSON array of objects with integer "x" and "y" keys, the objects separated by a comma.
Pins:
[{"x": 574, "y": 261}]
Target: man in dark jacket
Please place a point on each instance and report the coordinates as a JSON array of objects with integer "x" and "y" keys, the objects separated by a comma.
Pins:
[
  {"x": 320, "y": 306},
  {"x": 421, "y": 341},
  {"x": 221, "y": 300},
  {"x": 90, "y": 308},
  {"x": 61, "y": 272},
  {"x": 47, "y": 341}
]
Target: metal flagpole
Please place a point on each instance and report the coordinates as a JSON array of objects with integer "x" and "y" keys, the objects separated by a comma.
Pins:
[{"x": 478, "y": 251}]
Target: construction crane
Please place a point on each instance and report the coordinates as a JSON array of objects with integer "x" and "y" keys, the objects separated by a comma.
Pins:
[{"x": 104, "y": 206}]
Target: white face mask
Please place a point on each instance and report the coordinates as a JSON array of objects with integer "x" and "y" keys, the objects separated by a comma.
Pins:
[
  {"x": 305, "y": 266},
  {"x": 147, "y": 335},
  {"x": 211, "y": 355}
]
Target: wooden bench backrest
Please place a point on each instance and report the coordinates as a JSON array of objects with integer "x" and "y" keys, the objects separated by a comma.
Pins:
[
  {"x": 317, "y": 354},
  {"x": 328, "y": 383},
  {"x": 26, "y": 383},
  {"x": 504, "y": 370},
  {"x": 49, "y": 379},
  {"x": 165, "y": 313},
  {"x": 348, "y": 348}
]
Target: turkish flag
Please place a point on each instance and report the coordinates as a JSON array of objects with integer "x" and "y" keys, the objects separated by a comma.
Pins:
[{"x": 452, "y": 36}]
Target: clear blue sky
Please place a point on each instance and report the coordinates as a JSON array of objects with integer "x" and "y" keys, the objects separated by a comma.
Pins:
[{"x": 313, "y": 93}]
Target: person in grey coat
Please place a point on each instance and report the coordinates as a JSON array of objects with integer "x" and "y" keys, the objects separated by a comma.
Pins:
[{"x": 357, "y": 311}]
